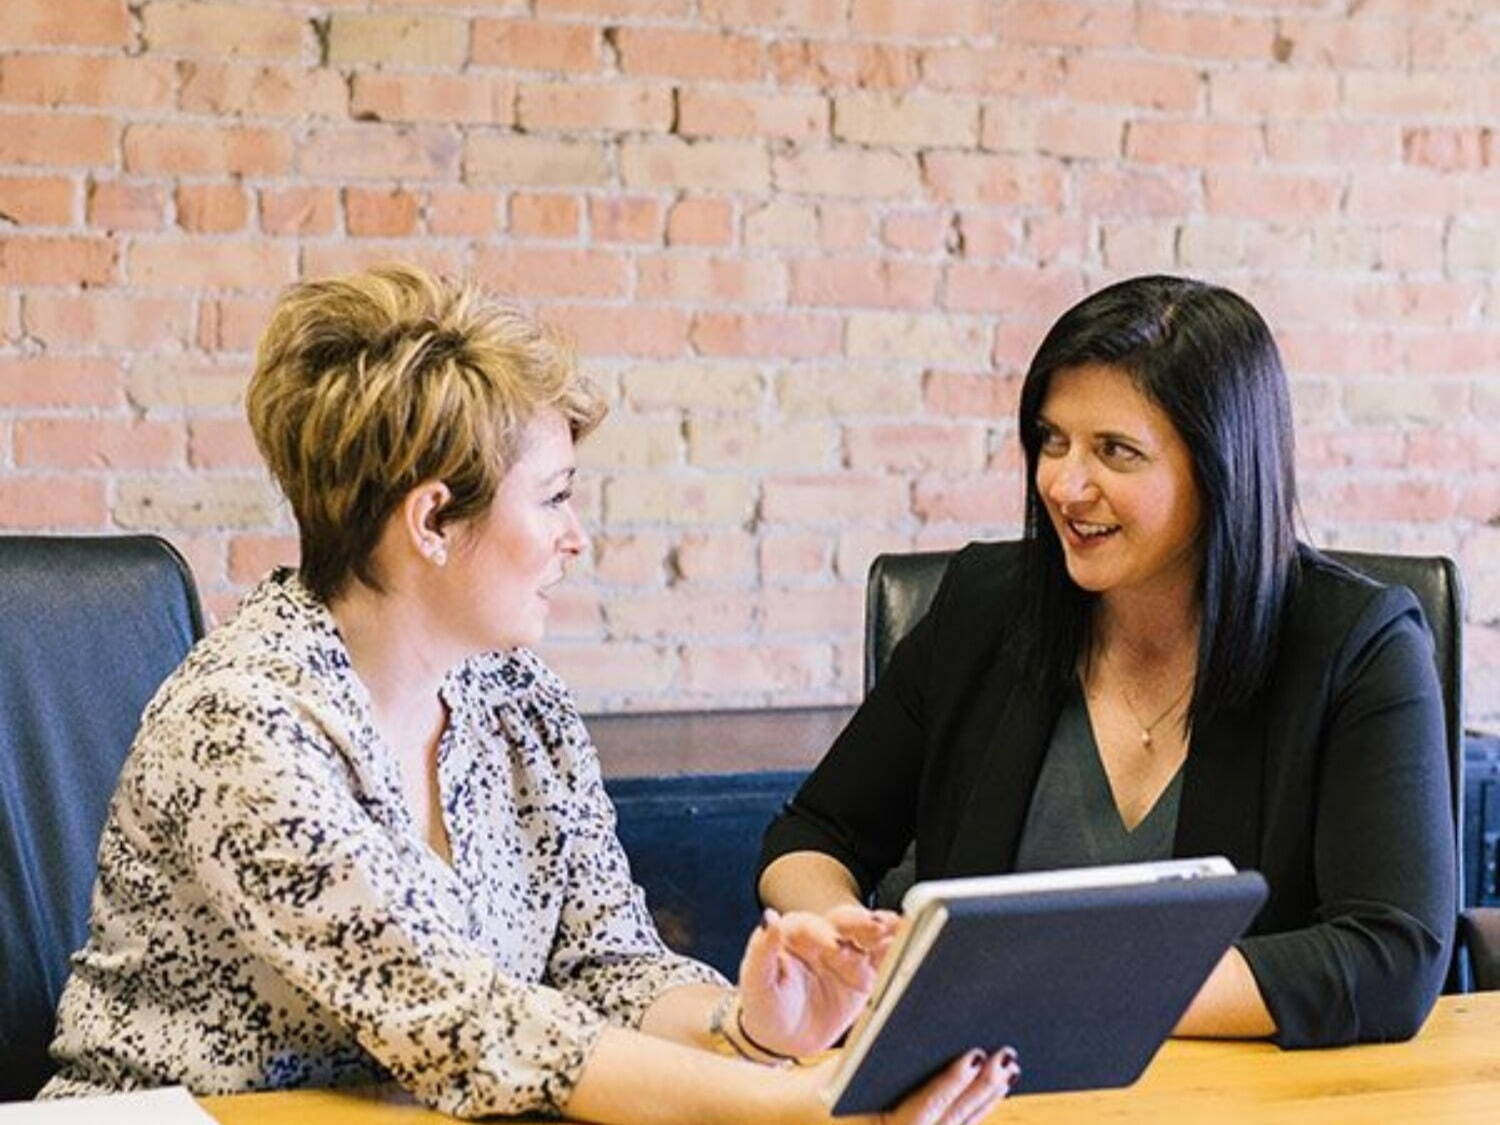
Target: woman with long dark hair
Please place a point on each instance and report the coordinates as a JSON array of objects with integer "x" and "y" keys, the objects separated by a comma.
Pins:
[{"x": 1160, "y": 669}]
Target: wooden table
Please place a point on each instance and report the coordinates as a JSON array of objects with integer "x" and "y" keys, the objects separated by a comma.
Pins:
[{"x": 1450, "y": 1073}]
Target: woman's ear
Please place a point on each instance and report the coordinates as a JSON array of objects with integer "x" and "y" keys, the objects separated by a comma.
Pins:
[{"x": 420, "y": 524}]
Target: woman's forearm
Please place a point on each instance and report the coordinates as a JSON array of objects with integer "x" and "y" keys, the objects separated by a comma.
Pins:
[
  {"x": 1229, "y": 1005},
  {"x": 809, "y": 881},
  {"x": 632, "y": 1078}
]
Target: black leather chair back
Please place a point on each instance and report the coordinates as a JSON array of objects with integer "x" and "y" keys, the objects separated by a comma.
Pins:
[
  {"x": 901, "y": 587},
  {"x": 89, "y": 628}
]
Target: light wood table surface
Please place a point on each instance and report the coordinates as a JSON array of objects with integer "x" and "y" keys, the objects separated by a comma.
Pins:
[{"x": 1449, "y": 1073}]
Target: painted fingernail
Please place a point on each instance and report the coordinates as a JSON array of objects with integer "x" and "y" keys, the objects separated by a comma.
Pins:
[
  {"x": 1007, "y": 1055},
  {"x": 767, "y": 916},
  {"x": 976, "y": 1060}
]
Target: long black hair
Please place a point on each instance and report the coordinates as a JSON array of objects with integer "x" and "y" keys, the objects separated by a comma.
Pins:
[{"x": 1205, "y": 357}]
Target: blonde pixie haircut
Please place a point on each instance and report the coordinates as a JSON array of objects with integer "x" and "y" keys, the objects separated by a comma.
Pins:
[{"x": 367, "y": 385}]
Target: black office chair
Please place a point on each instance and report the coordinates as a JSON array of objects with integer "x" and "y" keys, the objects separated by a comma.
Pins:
[
  {"x": 901, "y": 587},
  {"x": 89, "y": 628}
]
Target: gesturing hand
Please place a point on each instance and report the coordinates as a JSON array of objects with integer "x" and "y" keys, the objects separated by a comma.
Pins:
[{"x": 806, "y": 976}]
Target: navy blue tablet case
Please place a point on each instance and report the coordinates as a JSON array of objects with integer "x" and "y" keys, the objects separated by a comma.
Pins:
[{"x": 1085, "y": 984}]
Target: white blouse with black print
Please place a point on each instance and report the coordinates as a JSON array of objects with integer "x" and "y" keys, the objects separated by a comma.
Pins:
[{"x": 267, "y": 913}]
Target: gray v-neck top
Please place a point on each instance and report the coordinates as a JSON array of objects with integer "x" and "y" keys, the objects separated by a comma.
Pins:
[{"x": 1073, "y": 820}]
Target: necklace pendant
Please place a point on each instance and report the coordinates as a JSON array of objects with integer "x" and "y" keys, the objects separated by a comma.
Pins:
[{"x": 1146, "y": 738}]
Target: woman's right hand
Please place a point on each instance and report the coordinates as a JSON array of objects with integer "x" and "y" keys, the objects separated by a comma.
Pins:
[{"x": 960, "y": 1094}]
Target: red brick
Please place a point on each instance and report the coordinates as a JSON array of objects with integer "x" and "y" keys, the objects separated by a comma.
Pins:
[
  {"x": 826, "y": 609},
  {"x": 1086, "y": 132},
  {"x": 702, "y": 280},
  {"x": 58, "y": 140},
  {"x": 1394, "y": 94},
  {"x": 1067, "y": 23},
  {"x": 59, "y": 381},
  {"x": 1405, "y": 192},
  {"x": 113, "y": 205},
  {"x": 966, "y": 395},
  {"x": 867, "y": 282},
  {"x": 1202, "y": 35},
  {"x": 1341, "y": 42},
  {"x": 715, "y": 113},
  {"x": 830, "y": 65},
  {"x": 715, "y": 558},
  {"x": 1002, "y": 70},
  {"x": 984, "y": 235},
  {"x": 97, "y": 443},
  {"x": 401, "y": 38},
  {"x": 630, "y": 560},
  {"x": 223, "y": 30},
  {"x": 1450, "y": 150},
  {"x": 35, "y": 502},
  {"x": 615, "y": 219},
  {"x": 206, "y": 150},
  {"x": 544, "y": 216},
  {"x": 52, "y": 80},
  {"x": 42, "y": 260},
  {"x": 1146, "y": 83},
  {"x": 790, "y": 15},
  {"x": 911, "y": 446},
  {"x": 233, "y": 324},
  {"x": 212, "y": 208},
  {"x": 766, "y": 334},
  {"x": 1384, "y": 502},
  {"x": 639, "y": 330},
  {"x": 37, "y": 201},
  {"x": 531, "y": 273},
  {"x": 702, "y": 165},
  {"x": 298, "y": 210},
  {"x": 928, "y": 121},
  {"x": 381, "y": 152},
  {"x": 468, "y": 98},
  {"x": 1045, "y": 293},
  {"x": 614, "y": 667},
  {"x": 107, "y": 319},
  {"x": 700, "y": 222},
  {"x": 1194, "y": 143},
  {"x": 212, "y": 265},
  {"x": 919, "y": 232},
  {"x": 1271, "y": 195},
  {"x": 254, "y": 90},
  {"x": 793, "y": 556},
  {"x": 461, "y": 211},
  {"x": 902, "y": 19},
  {"x": 967, "y": 179},
  {"x": 1273, "y": 94},
  {"x": 251, "y": 557},
  {"x": 834, "y": 498},
  {"x": 222, "y": 443},
  {"x": 1464, "y": 44},
  {"x": 353, "y": 254},
  {"x": 1336, "y": 143},
  {"x": 57, "y": 23},
  {"x": 863, "y": 172},
  {"x": 1054, "y": 239},
  {"x": 627, "y": 9},
  {"x": 523, "y": 44},
  {"x": 780, "y": 670},
  {"x": 670, "y": 53},
  {"x": 678, "y": 612},
  {"x": 380, "y": 213},
  {"x": 992, "y": 501},
  {"x": 534, "y": 161},
  {"x": 611, "y": 107}
]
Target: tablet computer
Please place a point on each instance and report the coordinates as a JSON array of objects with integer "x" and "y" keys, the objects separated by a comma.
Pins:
[{"x": 1084, "y": 972}]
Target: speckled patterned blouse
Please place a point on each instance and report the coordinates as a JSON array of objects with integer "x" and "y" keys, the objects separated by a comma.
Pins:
[{"x": 268, "y": 915}]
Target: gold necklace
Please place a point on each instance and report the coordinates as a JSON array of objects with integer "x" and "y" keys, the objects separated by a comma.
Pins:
[{"x": 1148, "y": 728}]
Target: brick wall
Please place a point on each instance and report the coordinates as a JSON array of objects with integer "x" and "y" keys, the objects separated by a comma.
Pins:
[{"x": 805, "y": 245}]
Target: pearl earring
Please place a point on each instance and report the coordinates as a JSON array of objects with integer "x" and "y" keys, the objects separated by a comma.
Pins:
[{"x": 438, "y": 554}]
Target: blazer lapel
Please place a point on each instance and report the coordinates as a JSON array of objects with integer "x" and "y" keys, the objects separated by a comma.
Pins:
[
  {"x": 1015, "y": 733},
  {"x": 1223, "y": 791}
]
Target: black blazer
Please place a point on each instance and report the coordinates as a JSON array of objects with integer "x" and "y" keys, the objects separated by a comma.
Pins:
[{"x": 1333, "y": 784}]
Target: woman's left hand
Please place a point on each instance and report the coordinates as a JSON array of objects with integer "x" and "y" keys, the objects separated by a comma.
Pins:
[{"x": 806, "y": 976}]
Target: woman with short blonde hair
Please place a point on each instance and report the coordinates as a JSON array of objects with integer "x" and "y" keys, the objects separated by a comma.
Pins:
[{"x": 362, "y": 831}]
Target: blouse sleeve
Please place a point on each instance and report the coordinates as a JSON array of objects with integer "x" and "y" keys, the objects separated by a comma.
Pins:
[
  {"x": 1372, "y": 966},
  {"x": 261, "y": 808},
  {"x": 608, "y": 952}
]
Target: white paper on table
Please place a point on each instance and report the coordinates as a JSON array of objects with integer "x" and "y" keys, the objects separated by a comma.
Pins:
[{"x": 171, "y": 1105}]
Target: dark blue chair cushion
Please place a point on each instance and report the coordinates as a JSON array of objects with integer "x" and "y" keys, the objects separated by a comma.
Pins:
[
  {"x": 693, "y": 844},
  {"x": 89, "y": 628}
]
